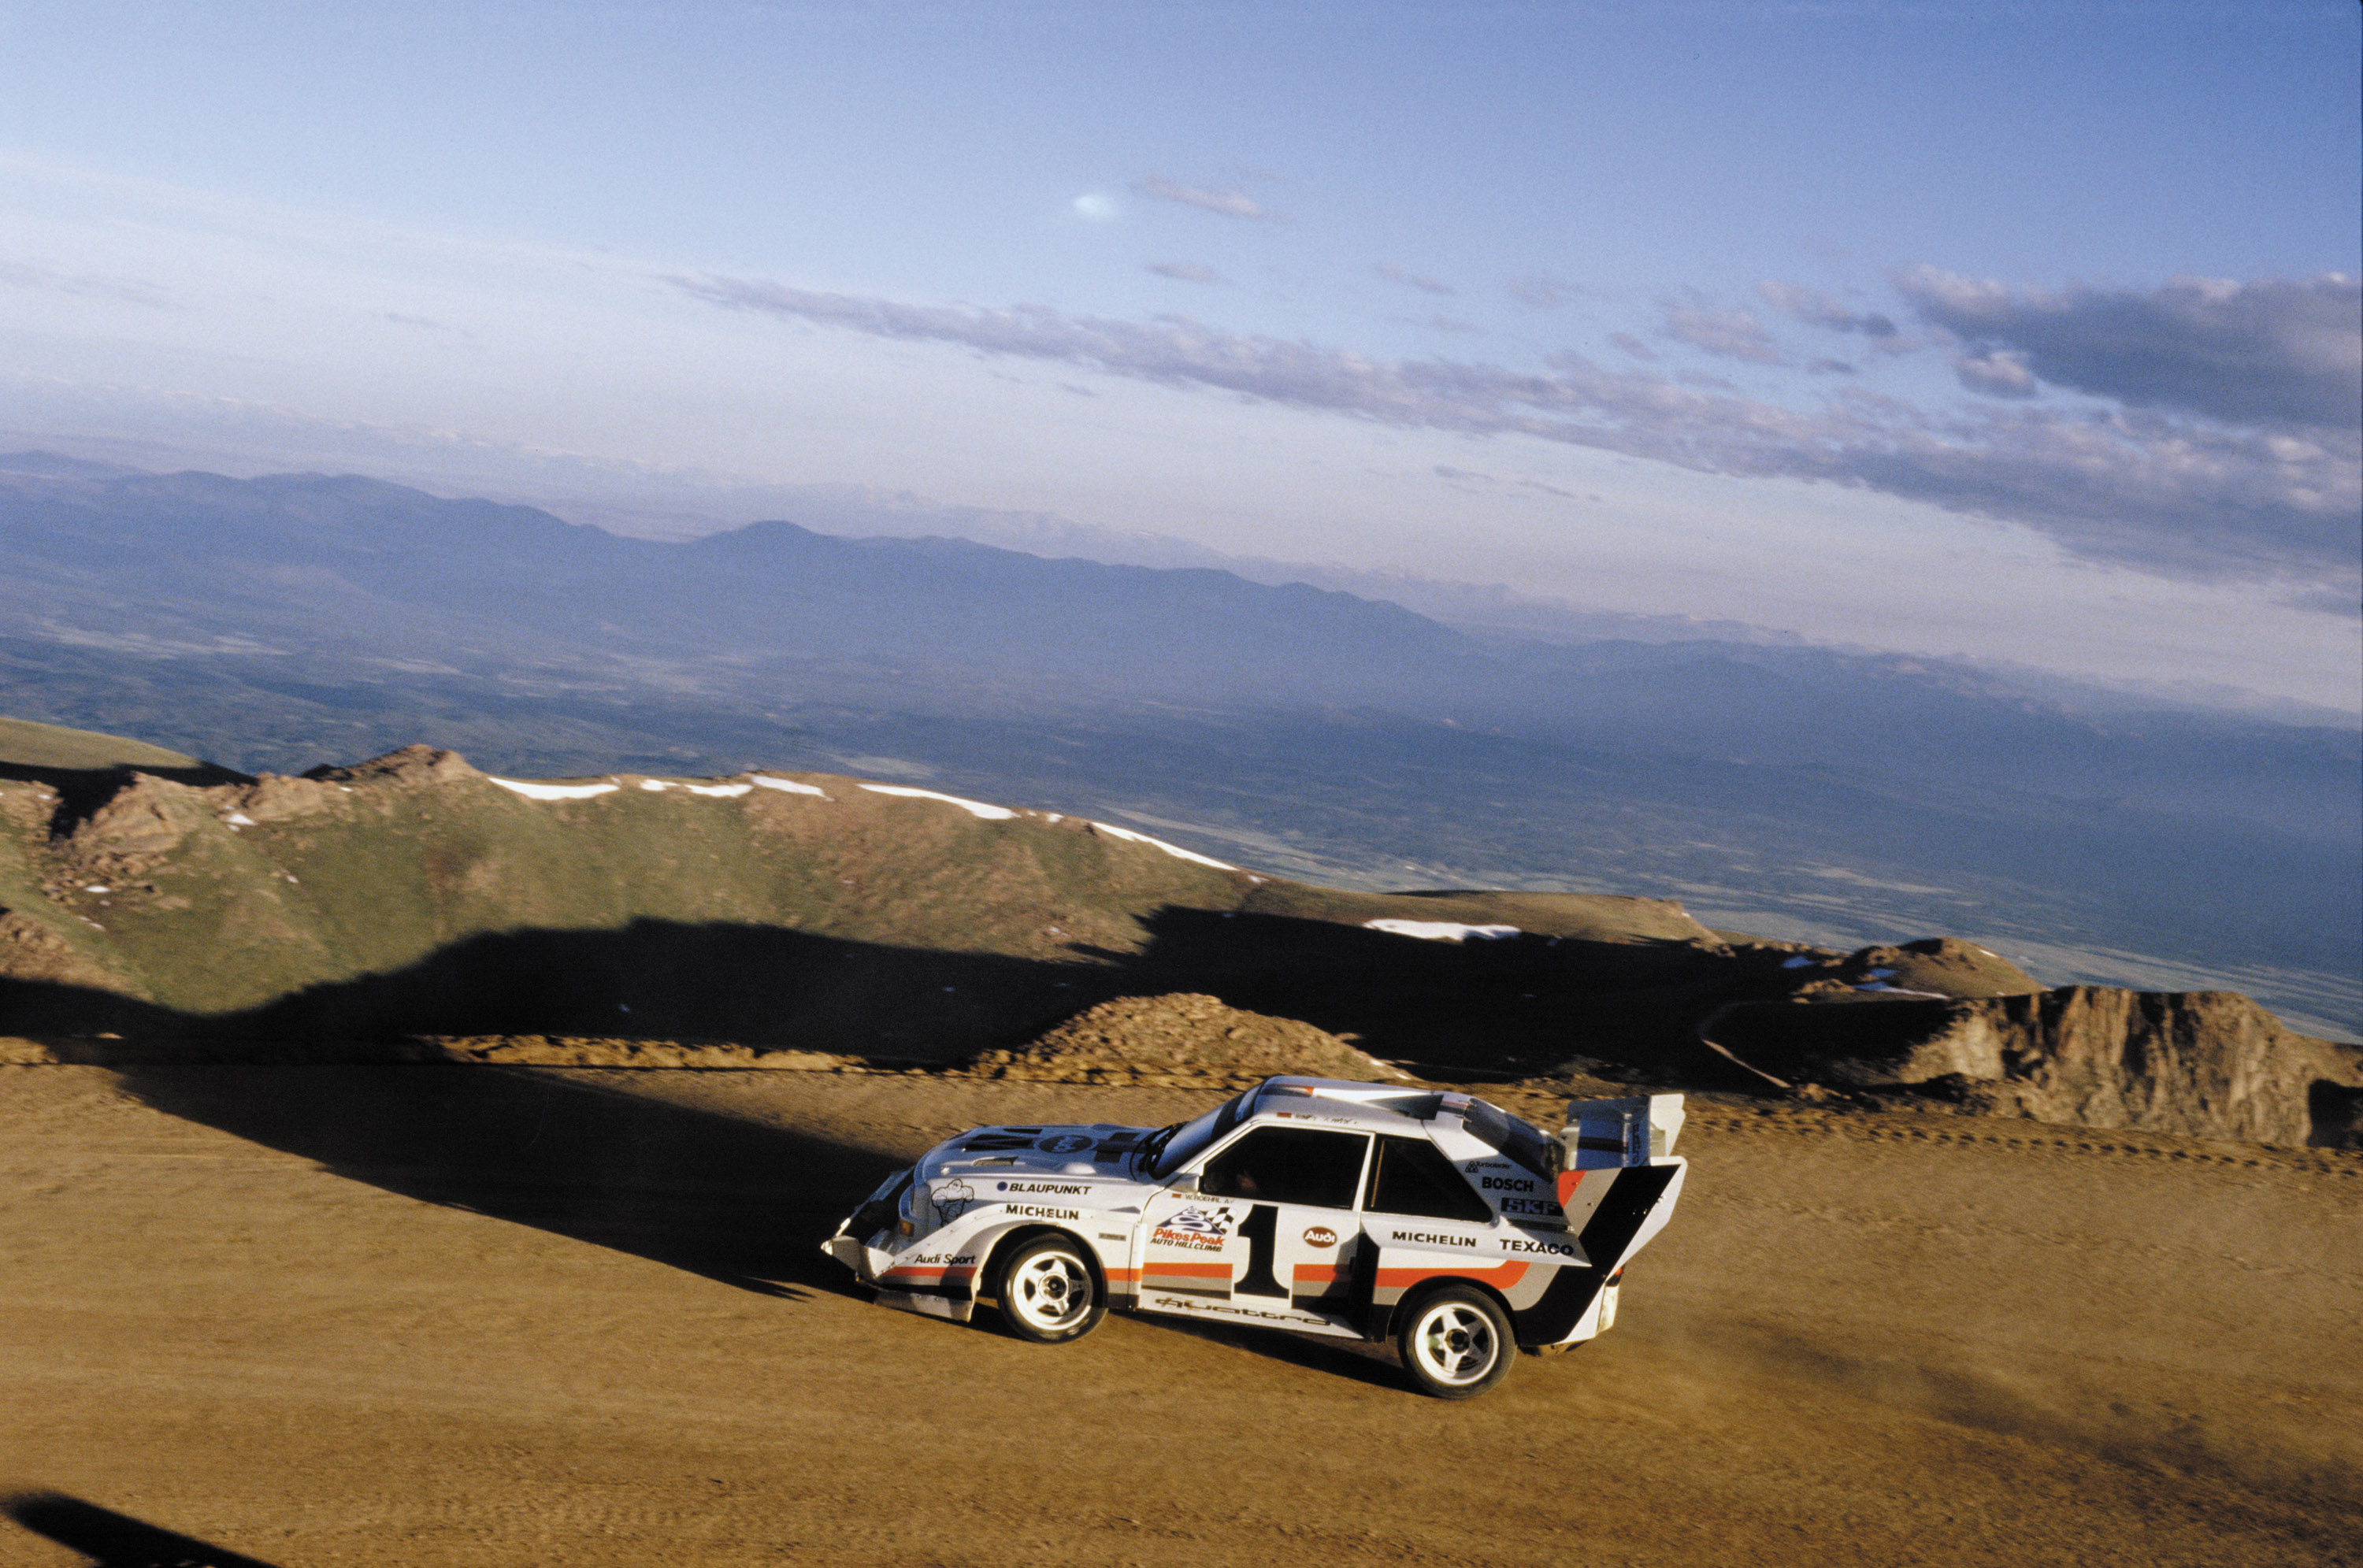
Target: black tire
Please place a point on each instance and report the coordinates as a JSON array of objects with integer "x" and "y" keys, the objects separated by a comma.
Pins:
[
  {"x": 1048, "y": 1292},
  {"x": 1455, "y": 1343}
]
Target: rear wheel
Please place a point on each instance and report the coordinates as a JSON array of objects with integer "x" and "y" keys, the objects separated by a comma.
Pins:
[
  {"x": 1048, "y": 1293},
  {"x": 1456, "y": 1342}
]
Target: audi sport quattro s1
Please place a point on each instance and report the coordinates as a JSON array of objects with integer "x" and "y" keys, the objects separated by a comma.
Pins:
[{"x": 1354, "y": 1210}]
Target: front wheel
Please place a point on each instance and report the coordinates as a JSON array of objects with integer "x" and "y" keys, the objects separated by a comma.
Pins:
[
  {"x": 1047, "y": 1294},
  {"x": 1456, "y": 1344}
]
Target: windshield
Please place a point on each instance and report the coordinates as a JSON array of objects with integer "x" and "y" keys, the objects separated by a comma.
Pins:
[
  {"x": 1168, "y": 1150},
  {"x": 1522, "y": 1140}
]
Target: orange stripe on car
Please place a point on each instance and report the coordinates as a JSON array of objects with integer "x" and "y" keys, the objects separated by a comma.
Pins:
[{"x": 1500, "y": 1277}]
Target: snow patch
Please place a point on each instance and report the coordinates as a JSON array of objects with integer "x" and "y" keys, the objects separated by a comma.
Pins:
[
  {"x": 788, "y": 785},
  {"x": 239, "y": 819},
  {"x": 1796, "y": 961},
  {"x": 719, "y": 791},
  {"x": 655, "y": 784},
  {"x": 1174, "y": 850},
  {"x": 973, "y": 808},
  {"x": 98, "y": 888},
  {"x": 549, "y": 791},
  {"x": 1442, "y": 929}
]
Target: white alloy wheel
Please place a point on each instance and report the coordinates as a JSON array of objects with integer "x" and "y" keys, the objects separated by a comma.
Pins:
[
  {"x": 1047, "y": 1294},
  {"x": 1456, "y": 1344}
]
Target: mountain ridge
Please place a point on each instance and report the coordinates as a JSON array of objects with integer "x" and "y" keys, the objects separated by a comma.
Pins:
[{"x": 774, "y": 918}]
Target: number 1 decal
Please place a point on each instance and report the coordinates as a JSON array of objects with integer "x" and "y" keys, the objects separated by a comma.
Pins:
[{"x": 1261, "y": 1228}]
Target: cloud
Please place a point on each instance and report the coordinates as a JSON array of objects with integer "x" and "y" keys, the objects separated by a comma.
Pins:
[
  {"x": 1394, "y": 274},
  {"x": 1187, "y": 272},
  {"x": 1830, "y": 368},
  {"x": 1554, "y": 489},
  {"x": 1230, "y": 204},
  {"x": 1997, "y": 372},
  {"x": 1812, "y": 306},
  {"x": 1734, "y": 334},
  {"x": 2143, "y": 488},
  {"x": 1543, "y": 291},
  {"x": 2269, "y": 353},
  {"x": 130, "y": 291},
  {"x": 1634, "y": 346},
  {"x": 1095, "y": 207}
]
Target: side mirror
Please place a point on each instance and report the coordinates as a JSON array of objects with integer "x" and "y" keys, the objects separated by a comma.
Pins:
[{"x": 1186, "y": 1182}]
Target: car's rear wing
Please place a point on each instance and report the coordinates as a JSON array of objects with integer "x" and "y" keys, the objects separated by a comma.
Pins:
[
  {"x": 1639, "y": 1130},
  {"x": 1619, "y": 1177}
]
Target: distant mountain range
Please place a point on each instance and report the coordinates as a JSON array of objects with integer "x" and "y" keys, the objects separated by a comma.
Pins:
[{"x": 279, "y": 622}]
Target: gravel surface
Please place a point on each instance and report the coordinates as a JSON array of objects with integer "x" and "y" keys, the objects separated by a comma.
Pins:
[{"x": 453, "y": 1315}]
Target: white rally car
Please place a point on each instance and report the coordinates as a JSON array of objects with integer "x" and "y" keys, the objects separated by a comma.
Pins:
[{"x": 1356, "y": 1211}]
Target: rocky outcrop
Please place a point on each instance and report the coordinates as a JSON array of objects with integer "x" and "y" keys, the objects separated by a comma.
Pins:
[
  {"x": 274, "y": 799},
  {"x": 2206, "y": 1064},
  {"x": 146, "y": 816},
  {"x": 413, "y": 765}
]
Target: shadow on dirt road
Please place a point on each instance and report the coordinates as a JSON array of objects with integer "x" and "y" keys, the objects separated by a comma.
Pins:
[
  {"x": 113, "y": 1540},
  {"x": 731, "y": 1200}
]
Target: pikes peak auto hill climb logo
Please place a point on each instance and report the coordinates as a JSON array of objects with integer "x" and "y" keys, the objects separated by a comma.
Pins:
[{"x": 1194, "y": 1227}]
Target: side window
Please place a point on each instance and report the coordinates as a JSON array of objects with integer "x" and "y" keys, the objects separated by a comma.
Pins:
[
  {"x": 1288, "y": 1165},
  {"x": 1412, "y": 1177}
]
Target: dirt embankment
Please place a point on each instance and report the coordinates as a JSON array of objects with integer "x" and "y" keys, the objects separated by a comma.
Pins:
[
  {"x": 1180, "y": 1042},
  {"x": 2206, "y": 1064}
]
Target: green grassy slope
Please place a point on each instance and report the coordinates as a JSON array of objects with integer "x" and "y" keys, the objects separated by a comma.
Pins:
[
  {"x": 417, "y": 895},
  {"x": 27, "y": 745}
]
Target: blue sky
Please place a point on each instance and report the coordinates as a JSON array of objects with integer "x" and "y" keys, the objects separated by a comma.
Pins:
[{"x": 2026, "y": 332}]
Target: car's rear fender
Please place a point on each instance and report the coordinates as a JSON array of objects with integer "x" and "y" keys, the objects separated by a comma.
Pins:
[
  {"x": 1551, "y": 1286},
  {"x": 1382, "y": 1319}
]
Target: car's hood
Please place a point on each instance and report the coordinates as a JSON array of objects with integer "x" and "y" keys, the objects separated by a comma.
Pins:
[{"x": 1002, "y": 1155}]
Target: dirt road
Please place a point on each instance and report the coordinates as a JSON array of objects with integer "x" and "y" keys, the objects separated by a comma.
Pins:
[{"x": 428, "y": 1316}]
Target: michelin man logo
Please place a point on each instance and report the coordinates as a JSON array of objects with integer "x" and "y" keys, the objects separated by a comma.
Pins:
[{"x": 952, "y": 1199}]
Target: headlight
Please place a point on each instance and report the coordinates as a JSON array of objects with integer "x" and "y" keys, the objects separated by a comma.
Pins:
[{"x": 919, "y": 1214}]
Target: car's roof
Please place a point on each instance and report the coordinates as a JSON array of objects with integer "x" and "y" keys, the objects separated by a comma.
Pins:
[{"x": 1395, "y": 1107}]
